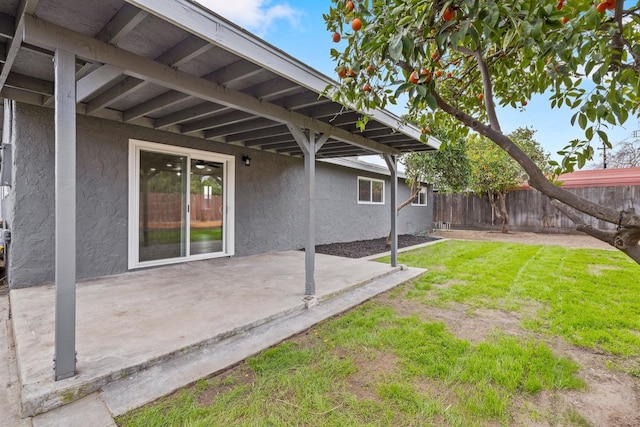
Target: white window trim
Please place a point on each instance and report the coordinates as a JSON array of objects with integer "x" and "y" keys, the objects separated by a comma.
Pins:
[
  {"x": 228, "y": 243},
  {"x": 423, "y": 190},
  {"x": 371, "y": 181}
]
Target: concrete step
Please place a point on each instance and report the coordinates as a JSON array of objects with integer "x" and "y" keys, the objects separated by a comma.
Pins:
[{"x": 173, "y": 373}]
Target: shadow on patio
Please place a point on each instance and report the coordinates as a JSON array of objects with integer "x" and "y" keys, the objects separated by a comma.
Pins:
[{"x": 143, "y": 334}]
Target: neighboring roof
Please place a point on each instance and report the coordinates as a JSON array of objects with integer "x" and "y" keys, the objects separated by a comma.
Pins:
[
  {"x": 598, "y": 178},
  {"x": 355, "y": 163},
  {"x": 175, "y": 66}
]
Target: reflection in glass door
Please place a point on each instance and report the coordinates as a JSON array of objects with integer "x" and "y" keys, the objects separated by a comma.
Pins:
[
  {"x": 162, "y": 219},
  {"x": 206, "y": 216},
  {"x": 180, "y": 204}
]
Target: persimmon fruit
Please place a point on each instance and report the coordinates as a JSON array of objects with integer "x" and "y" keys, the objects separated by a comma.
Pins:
[
  {"x": 448, "y": 14},
  {"x": 336, "y": 37},
  {"x": 356, "y": 24}
]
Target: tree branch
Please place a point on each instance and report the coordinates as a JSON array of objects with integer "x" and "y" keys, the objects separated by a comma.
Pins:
[
  {"x": 623, "y": 239},
  {"x": 536, "y": 178},
  {"x": 487, "y": 85}
]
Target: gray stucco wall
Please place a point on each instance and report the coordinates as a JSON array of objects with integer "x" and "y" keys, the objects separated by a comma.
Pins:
[{"x": 269, "y": 198}]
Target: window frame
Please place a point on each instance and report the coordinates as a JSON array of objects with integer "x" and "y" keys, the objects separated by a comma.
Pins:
[
  {"x": 371, "y": 181},
  {"x": 423, "y": 190}
]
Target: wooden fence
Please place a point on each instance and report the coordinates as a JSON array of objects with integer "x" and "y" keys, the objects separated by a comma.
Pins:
[{"x": 529, "y": 210}]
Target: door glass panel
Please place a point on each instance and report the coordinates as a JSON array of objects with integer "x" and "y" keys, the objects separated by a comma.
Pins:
[
  {"x": 206, "y": 207},
  {"x": 162, "y": 221}
]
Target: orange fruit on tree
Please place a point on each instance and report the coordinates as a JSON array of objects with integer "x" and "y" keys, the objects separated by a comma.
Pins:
[
  {"x": 367, "y": 87},
  {"x": 356, "y": 24},
  {"x": 352, "y": 73},
  {"x": 449, "y": 74},
  {"x": 602, "y": 7},
  {"x": 434, "y": 55},
  {"x": 427, "y": 73},
  {"x": 480, "y": 97},
  {"x": 371, "y": 69},
  {"x": 524, "y": 102},
  {"x": 336, "y": 37},
  {"x": 448, "y": 14},
  {"x": 426, "y": 130},
  {"x": 349, "y": 6},
  {"x": 438, "y": 73},
  {"x": 564, "y": 20},
  {"x": 413, "y": 78},
  {"x": 611, "y": 4},
  {"x": 342, "y": 72}
]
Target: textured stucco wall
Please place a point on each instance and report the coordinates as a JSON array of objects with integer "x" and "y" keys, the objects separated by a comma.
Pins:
[{"x": 269, "y": 198}]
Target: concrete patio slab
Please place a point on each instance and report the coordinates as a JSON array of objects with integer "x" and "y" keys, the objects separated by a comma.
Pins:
[{"x": 138, "y": 320}]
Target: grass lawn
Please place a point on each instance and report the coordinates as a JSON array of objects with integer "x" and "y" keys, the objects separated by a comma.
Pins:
[
  {"x": 388, "y": 363},
  {"x": 173, "y": 235}
]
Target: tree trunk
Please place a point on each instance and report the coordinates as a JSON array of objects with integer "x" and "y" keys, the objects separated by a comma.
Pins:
[
  {"x": 502, "y": 197},
  {"x": 494, "y": 212},
  {"x": 414, "y": 193},
  {"x": 627, "y": 234}
]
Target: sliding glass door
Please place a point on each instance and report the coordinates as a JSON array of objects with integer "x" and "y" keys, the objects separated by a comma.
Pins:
[{"x": 180, "y": 204}]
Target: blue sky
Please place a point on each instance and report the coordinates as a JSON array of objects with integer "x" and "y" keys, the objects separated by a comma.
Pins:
[{"x": 297, "y": 27}]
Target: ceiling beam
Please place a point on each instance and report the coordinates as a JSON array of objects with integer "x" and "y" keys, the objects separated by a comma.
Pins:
[
  {"x": 255, "y": 136},
  {"x": 199, "y": 111},
  {"x": 30, "y": 84},
  {"x": 217, "y": 121},
  {"x": 94, "y": 81},
  {"x": 12, "y": 51},
  {"x": 49, "y": 35},
  {"x": 274, "y": 88},
  {"x": 122, "y": 23},
  {"x": 256, "y": 123},
  {"x": 188, "y": 16},
  {"x": 165, "y": 100}
]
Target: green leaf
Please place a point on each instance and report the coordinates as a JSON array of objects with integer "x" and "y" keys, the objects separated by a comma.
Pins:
[
  {"x": 582, "y": 121},
  {"x": 431, "y": 101}
]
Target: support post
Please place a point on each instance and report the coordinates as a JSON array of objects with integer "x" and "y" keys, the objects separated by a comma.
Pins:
[
  {"x": 392, "y": 164},
  {"x": 309, "y": 145},
  {"x": 65, "y": 215}
]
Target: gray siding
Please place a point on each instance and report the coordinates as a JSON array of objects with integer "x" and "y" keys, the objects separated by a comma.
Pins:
[{"x": 269, "y": 198}]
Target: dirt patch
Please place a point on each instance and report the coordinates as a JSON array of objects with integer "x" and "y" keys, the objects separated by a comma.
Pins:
[
  {"x": 363, "y": 248},
  {"x": 567, "y": 240},
  {"x": 611, "y": 398}
]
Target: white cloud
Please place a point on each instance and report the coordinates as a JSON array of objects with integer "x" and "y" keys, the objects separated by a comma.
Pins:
[{"x": 255, "y": 15}]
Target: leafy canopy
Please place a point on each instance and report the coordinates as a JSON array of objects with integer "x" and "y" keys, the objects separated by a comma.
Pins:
[{"x": 476, "y": 54}]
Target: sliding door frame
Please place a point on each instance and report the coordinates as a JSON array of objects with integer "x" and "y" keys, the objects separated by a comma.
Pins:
[{"x": 228, "y": 194}]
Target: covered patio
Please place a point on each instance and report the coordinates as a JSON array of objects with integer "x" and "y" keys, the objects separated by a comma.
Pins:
[
  {"x": 141, "y": 335},
  {"x": 176, "y": 69}
]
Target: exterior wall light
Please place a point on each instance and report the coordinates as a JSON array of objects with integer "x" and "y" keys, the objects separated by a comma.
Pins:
[{"x": 246, "y": 160}]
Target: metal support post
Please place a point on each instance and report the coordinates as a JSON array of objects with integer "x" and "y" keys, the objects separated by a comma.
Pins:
[
  {"x": 309, "y": 144},
  {"x": 392, "y": 164},
  {"x": 65, "y": 215}
]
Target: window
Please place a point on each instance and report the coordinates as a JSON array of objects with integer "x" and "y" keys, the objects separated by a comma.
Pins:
[
  {"x": 370, "y": 191},
  {"x": 421, "y": 199}
]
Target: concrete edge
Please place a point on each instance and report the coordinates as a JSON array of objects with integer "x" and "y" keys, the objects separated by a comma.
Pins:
[
  {"x": 38, "y": 399},
  {"x": 147, "y": 386},
  {"x": 405, "y": 249}
]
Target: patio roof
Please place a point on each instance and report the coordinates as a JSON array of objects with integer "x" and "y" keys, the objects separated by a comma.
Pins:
[
  {"x": 178, "y": 67},
  {"x": 174, "y": 66}
]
